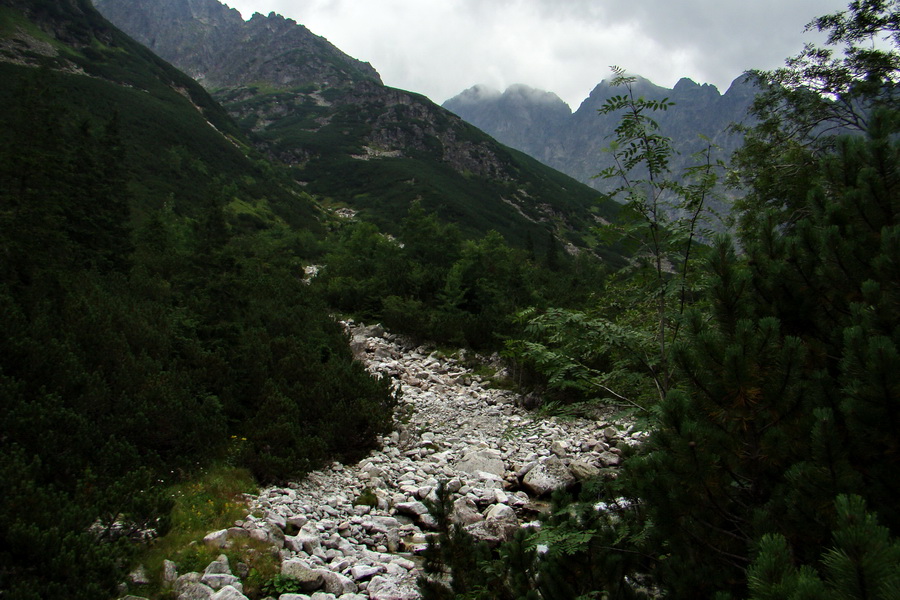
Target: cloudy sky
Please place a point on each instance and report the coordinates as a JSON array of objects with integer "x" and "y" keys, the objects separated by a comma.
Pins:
[{"x": 441, "y": 47}]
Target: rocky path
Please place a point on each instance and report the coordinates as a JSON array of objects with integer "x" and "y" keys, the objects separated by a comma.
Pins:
[{"x": 353, "y": 531}]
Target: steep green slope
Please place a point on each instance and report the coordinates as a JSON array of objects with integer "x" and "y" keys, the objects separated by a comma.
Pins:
[
  {"x": 153, "y": 320},
  {"x": 377, "y": 150},
  {"x": 178, "y": 142},
  {"x": 351, "y": 139}
]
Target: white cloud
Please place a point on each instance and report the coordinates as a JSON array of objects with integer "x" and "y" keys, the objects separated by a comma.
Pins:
[{"x": 441, "y": 47}]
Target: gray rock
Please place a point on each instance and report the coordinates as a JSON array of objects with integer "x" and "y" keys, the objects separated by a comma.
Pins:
[
  {"x": 309, "y": 579},
  {"x": 548, "y": 475},
  {"x": 482, "y": 459},
  {"x": 582, "y": 470},
  {"x": 414, "y": 509},
  {"x": 610, "y": 459},
  {"x": 275, "y": 535},
  {"x": 216, "y": 539},
  {"x": 218, "y": 566},
  {"x": 308, "y": 539},
  {"x": 500, "y": 525},
  {"x": 188, "y": 587},
  {"x": 170, "y": 572},
  {"x": 273, "y": 518},
  {"x": 381, "y": 588},
  {"x": 139, "y": 576},
  {"x": 229, "y": 593},
  {"x": 337, "y": 584},
  {"x": 362, "y": 572},
  {"x": 218, "y": 581},
  {"x": 297, "y": 521},
  {"x": 465, "y": 512},
  {"x": 559, "y": 448}
]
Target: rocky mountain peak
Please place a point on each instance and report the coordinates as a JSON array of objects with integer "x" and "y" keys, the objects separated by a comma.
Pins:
[
  {"x": 478, "y": 93},
  {"x": 214, "y": 45}
]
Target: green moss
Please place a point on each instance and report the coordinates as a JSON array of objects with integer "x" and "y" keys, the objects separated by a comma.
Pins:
[{"x": 366, "y": 498}]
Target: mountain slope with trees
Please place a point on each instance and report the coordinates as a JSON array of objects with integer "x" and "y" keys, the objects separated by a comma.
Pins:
[
  {"x": 354, "y": 141},
  {"x": 154, "y": 320}
]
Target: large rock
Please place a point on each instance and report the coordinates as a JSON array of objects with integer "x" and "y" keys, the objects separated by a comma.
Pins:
[
  {"x": 583, "y": 470},
  {"x": 547, "y": 475},
  {"x": 362, "y": 572},
  {"x": 465, "y": 512},
  {"x": 337, "y": 584},
  {"x": 499, "y": 525},
  {"x": 309, "y": 580},
  {"x": 610, "y": 459},
  {"x": 382, "y": 588},
  {"x": 484, "y": 460},
  {"x": 188, "y": 587},
  {"x": 308, "y": 540}
]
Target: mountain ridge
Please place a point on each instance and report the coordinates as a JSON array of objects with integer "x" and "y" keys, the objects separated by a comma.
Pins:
[{"x": 574, "y": 144}]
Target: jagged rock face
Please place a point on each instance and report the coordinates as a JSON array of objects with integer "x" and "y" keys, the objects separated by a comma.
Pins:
[
  {"x": 215, "y": 46},
  {"x": 535, "y": 123}
]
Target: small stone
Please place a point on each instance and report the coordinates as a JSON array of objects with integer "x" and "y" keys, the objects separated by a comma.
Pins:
[
  {"x": 216, "y": 539},
  {"x": 170, "y": 572},
  {"x": 139, "y": 576}
]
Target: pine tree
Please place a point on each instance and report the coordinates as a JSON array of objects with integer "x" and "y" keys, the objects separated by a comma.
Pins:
[
  {"x": 792, "y": 389},
  {"x": 863, "y": 562}
]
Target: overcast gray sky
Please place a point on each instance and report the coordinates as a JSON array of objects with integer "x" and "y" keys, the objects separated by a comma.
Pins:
[{"x": 441, "y": 47}]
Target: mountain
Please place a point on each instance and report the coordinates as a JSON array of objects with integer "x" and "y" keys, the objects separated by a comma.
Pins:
[
  {"x": 521, "y": 117},
  {"x": 178, "y": 142},
  {"x": 348, "y": 138},
  {"x": 541, "y": 125},
  {"x": 212, "y": 43}
]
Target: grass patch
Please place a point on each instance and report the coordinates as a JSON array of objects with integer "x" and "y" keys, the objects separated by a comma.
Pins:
[{"x": 207, "y": 503}]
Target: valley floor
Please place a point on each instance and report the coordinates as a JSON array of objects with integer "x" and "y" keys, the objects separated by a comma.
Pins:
[{"x": 355, "y": 531}]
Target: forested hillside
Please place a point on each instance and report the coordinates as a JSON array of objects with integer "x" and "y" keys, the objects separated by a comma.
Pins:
[{"x": 151, "y": 305}]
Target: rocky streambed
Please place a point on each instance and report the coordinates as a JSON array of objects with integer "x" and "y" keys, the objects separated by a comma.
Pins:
[{"x": 353, "y": 532}]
